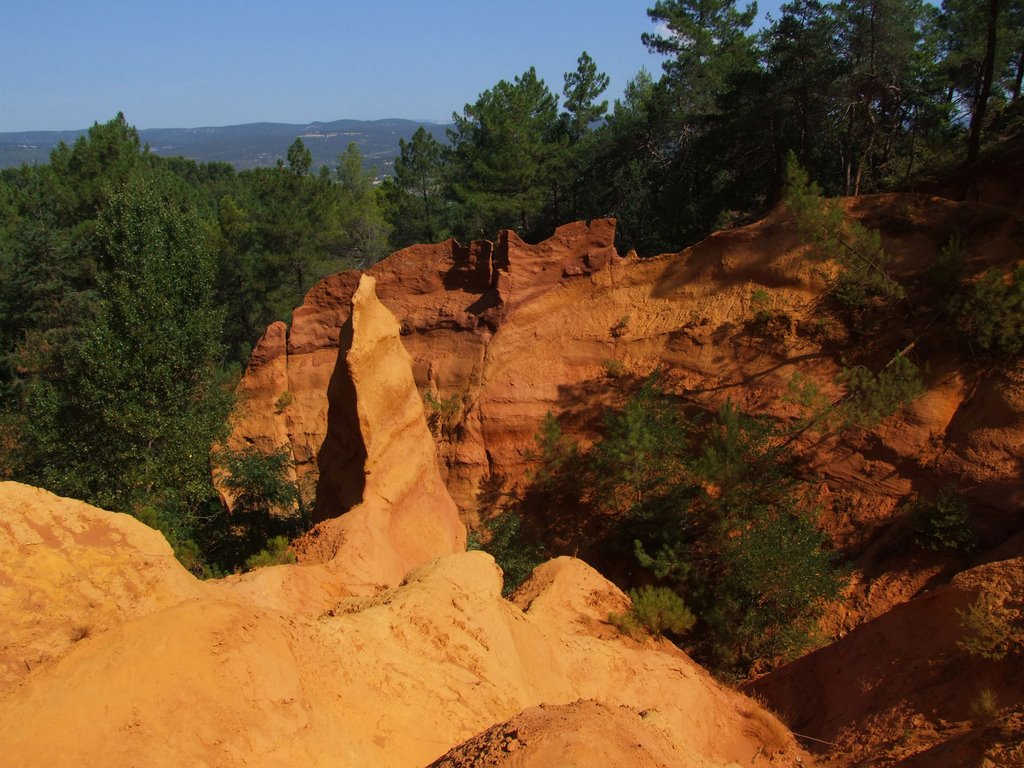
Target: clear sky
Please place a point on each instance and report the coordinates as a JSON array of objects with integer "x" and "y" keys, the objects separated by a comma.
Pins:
[{"x": 184, "y": 63}]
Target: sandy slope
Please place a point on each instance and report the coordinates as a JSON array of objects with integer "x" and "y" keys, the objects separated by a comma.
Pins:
[{"x": 186, "y": 673}]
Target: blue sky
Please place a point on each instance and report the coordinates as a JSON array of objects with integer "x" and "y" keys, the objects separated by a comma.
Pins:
[{"x": 182, "y": 63}]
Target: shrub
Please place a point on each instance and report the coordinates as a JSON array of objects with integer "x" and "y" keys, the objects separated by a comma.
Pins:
[
  {"x": 768, "y": 317},
  {"x": 657, "y": 610},
  {"x": 712, "y": 507},
  {"x": 945, "y": 274},
  {"x": 872, "y": 397},
  {"x": 620, "y": 327},
  {"x": 991, "y": 630},
  {"x": 513, "y": 550},
  {"x": 277, "y": 552},
  {"x": 985, "y": 706},
  {"x": 992, "y": 313},
  {"x": 760, "y": 305},
  {"x": 613, "y": 368},
  {"x": 805, "y": 392},
  {"x": 286, "y": 399},
  {"x": 855, "y": 248},
  {"x": 267, "y": 503},
  {"x": 182, "y": 541},
  {"x": 627, "y": 623},
  {"x": 442, "y": 415},
  {"x": 942, "y": 523}
]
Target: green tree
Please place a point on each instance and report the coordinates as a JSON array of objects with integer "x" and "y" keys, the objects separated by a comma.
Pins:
[
  {"x": 991, "y": 313},
  {"x": 266, "y": 505},
  {"x": 623, "y": 171},
  {"x": 127, "y": 417},
  {"x": 365, "y": 230},
  {"x": 513, "y": 549},
  {"x": 713, "y": 508},
  {"x": 417, "y": 191},
  {"x": 97, "y": 164},
  {"x": 581, "y": 90},
  {"x": 300, "y": 159},
  {"x": 296, "y": 236},
  {"x": 741, "y": 542},
  {"x": 858, "y": 251},
  {"x": 880, "y": 41},
  {"x": 706, "y": 41},
  {"x": 503, "y": 146}
]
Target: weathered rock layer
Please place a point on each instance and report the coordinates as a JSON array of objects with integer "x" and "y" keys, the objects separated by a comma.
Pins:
[{"x": 500, "y": 335}]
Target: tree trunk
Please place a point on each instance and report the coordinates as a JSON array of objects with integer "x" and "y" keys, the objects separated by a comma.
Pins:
[
  {"x": 987, "y": 67},
  {"x": 1020, "y": 76}
]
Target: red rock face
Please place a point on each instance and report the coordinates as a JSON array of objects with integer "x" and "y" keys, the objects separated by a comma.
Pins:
[
  {"x": 501, "y": 334},
  {"x": 450, "y": 301}
]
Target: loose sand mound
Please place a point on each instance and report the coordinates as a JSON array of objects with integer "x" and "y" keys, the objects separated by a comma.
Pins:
[{"x": 578, "y": 735}]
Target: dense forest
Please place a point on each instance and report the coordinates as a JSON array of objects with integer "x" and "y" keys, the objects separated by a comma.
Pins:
[{"x": 133, "y": 287}]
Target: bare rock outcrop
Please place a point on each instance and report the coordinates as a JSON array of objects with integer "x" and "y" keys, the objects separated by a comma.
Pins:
[
  {"x": 382, "y": 503},
  {"x": 189, "y": 673}
]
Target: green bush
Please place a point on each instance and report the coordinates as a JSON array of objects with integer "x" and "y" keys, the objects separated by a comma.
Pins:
[
  {"x": 761, "y": 305},
  {"x": 990, "y": 628},
  {"x": 277, "y": 552},
  {"x": 856, "y": 249},
  {"x": 769, "y": 318},
  {"x": 945, "y": 274},
  {"x": 992, "y": 313},
  {"x": 282, "y": 403},
  {"x": 712, "y": 506},
  {"x": 442, "y": 415},
  {"x": 621, "y": 326},
  {"x": 657, "y": 610},
  {"x": 267, "y": 504},
  {"x": 714, "y": 509},
  {"x": 182, "y": 541},
  {"x": 942, "y": 523},
  {"x": 613, "y": 368},
  {"x": 872, "y": 397},
  {"x": 514, "y": 551},
  {"x": 985, "y": 706}
]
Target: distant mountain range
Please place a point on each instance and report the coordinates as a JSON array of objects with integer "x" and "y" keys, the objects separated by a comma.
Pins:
[{"x": 251, "y": 145}]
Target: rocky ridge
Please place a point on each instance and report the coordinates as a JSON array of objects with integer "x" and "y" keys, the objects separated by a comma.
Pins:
[
  {"x": 501, "y": 334},
  {"x": 225, "y": 674}
]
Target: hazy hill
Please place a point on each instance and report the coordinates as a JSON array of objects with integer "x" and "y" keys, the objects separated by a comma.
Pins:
[{"x": 244, "y": 146}]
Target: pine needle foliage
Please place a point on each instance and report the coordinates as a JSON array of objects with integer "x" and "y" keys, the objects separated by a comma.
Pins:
[
  {"x": 655, "y": 609},
  {"x": 713, "y": 508},
  {"x": 857, "y": 250}
]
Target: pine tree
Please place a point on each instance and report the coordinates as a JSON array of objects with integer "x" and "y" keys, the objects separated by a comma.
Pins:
[{"x": 503, "y": 148}]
